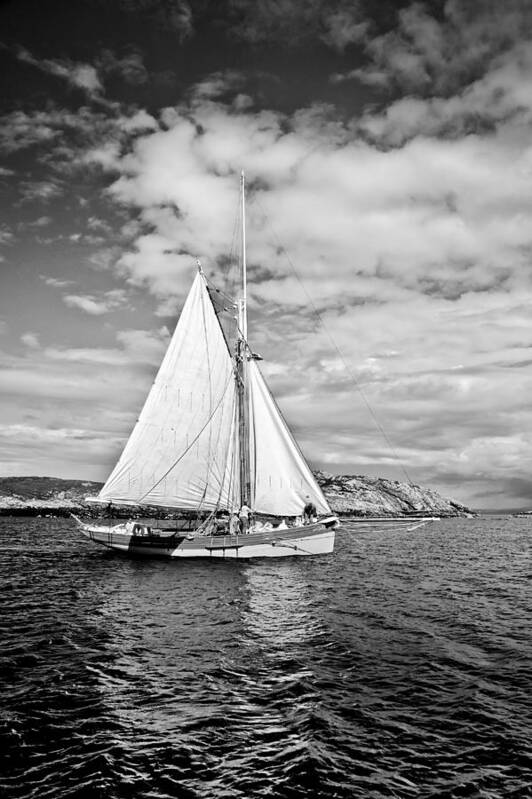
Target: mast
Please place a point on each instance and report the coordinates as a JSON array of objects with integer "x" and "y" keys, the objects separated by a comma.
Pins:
[
  {"x": 244, "y": 314},
  {"x": 242, "y": 365}
]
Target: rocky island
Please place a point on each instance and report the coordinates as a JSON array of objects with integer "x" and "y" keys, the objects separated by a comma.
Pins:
[{"x": 348, "y": 495}]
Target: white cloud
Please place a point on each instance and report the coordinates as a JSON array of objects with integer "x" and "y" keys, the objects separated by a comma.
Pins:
[
  {"x": 345, "y": 26},
  {"x": 82, "y": 76},
  {"x": 217, "y": 84},
  {"x": 425, "y": 54},
  {"x": 137, "y": 122},
  {"x": 130, "y": 67},
  {"x": 144, "y": 346},
  {"x": 136, "y": 347},
  {"x": 419, "y": 250},
  {"x": 408, "y": 225},
  {"x": 41, "y": 190},
  {"x": 55, "y": 282},
  {"x": 500, "y": 95},
  {"x": 433, "y": 211},
  {"x": 97, "y": 305},
  {"x": 85, "y": 355},
  {"x": 42, "y": 221},
  {"x": 65, "y": 409},
  {"x": 86, "y": 303},
  {"x": 31, "y": 340},
  {"x": 99, "y": 225},
  {"x": 20, "y": 129},
  {"x": 377, "y": 78},
  {"x": 6, "y": 235}
]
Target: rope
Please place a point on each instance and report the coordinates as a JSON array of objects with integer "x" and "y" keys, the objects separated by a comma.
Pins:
[
  {"x": 227, "y": 264},
  {"x": 295, "y": 547},
  {"x": 227, "y": 297},
  {"x": 333, "y": 343},
  {"x": 205, "y": 333}
]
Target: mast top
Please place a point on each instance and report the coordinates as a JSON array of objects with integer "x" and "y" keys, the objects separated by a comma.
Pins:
[{"x": 243, "y": 324}]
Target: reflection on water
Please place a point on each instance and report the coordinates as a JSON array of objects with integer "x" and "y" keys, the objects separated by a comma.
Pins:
[
  {"x": 281, "y": 609},
  {"x": 182, "y": 616},
  {"x": 397, "y": 667}
]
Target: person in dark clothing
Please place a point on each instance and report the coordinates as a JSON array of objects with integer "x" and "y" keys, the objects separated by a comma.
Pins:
[{"x": 309, "y": 511}]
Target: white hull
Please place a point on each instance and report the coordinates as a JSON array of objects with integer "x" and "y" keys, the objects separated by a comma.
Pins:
[{"x": 313, "y": 539}]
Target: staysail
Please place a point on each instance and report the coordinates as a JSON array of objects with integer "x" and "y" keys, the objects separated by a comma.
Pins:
[
  {"x": 281, "y": 477},
  {"x": 182, "y": 451}
]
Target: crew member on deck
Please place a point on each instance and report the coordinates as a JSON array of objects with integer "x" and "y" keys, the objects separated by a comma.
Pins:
[
  {"x": 309, "y": 511},
  {"x": 243, "y": 517}
]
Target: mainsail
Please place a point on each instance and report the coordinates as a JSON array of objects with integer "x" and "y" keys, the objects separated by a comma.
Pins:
[
  {"x": 182, "y": 451},
  {"x": 283, "y": 482}
]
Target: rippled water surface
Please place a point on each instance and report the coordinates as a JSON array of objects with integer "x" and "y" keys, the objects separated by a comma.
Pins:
[{"x": 400, "y": 666}]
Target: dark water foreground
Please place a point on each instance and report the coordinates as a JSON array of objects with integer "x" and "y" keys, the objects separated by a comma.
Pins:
[{"x": 398, "y": 667}]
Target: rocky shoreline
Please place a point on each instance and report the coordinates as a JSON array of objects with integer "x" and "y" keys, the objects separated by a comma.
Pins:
[{"x": 348, "y": 496}]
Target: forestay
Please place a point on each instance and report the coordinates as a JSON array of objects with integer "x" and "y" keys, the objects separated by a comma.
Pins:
[
  {"x": 181, "y": 452},
  {"x": 282, "y": 478}
]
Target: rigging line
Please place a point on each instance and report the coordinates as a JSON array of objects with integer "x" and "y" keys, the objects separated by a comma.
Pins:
[
  {"x": 233, "y": 258},
  {"x": 227, "y": 266},
  {"x": 210, "y": 460},
  {"x": 206, "y": 292},
  {"x": 191, "y": 443},
  {"x": 220, "y": 324},
  {"x": 219, "y": 291},
  {"x": 226, "y": 460},
  {"x": 338, "y": 351},
  {"x": 253, "y": 420}
]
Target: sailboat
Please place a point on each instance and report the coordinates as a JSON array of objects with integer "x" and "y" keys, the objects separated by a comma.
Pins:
[{"x": 212, "y": 445}]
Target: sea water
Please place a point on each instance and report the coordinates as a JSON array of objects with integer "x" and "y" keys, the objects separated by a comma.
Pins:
[{"x": 399, "y": 666}]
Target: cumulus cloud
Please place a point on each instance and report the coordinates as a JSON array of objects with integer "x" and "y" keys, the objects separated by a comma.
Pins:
[
  {"x": 23, "y": 129},
  {"x": 144, "y": 346},
  {"x": 41, "y": 190},
  {"x": 130, "y": 67},
  {"x": 337, "y": 24},
  {"x": 55, "y": 397},
  {"x": 99, "y": 225},
  {"x": 30, "y": 340},
  {"x": 217, "y": 84},
  {"x": 427, "y": 235},
  {"x": 55, "y": 282},
  {"x": 176, "y": 14},
  {"x": 62, "y": 138},
  {"x": 438, "y": 55},
  {"x": 429, "y": 215},
  {"x": 82, "y": 76},
  {"x": 345, "y": 25},
  {"x": 20, "y": 130},
  {"x": 406, "y": 230},
  {"x": 6, "y": 235},
  {"x": 96, "y": 306},
  {"x": 501, "y": 95},
  {"x": 136, "y": 122},
  {"x": 41, "y": 221},
  {"x": 377, "y": 78}
]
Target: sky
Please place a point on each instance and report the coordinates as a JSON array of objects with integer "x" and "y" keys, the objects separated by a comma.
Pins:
[{"x": 387, "y": 148}]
